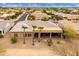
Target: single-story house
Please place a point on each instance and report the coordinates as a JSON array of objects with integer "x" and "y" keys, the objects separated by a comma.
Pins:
[
  {"x": 49, "y": 29},
  {"x": 72, "y": 17}
]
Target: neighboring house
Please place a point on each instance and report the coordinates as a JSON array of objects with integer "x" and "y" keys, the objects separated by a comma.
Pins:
[
  {"x": 5, "y": 26},
  {"x": 40, "y": 15},
  {"x": 50, "y": 29},
  {"x": 67, "y": 16},
  {"x": 72, "y": 17}
]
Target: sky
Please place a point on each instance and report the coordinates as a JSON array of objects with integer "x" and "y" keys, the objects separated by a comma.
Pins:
[{"x": 39, "y": 4}]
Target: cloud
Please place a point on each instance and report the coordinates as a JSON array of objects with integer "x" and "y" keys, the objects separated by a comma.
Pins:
[{"x": 10, "y": 5}]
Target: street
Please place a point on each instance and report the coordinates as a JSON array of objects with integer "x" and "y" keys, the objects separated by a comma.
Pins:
[{"x": 22, "y": 18}]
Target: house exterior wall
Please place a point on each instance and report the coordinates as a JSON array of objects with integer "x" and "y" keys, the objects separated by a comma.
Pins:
[{"x": 20, "y": 35}]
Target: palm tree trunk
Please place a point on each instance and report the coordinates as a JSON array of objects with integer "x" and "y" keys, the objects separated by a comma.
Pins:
[
  {"x": 50, "y": 35},
  {"x": 24, "y": 37},
  {"x": 33, "y": 39},
  {"x": 39, "y": 37}
]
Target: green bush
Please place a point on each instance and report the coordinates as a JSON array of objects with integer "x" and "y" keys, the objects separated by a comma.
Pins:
[
  {"x": 44, "y": 11},
  {"x": 13, "y": 39},
  {"x": 44, "y": 19},
  {"x": 70, "y": 33},
  {"x": 31, "y": 17},
  {"x": 1, "y": 36},
  {"x": 49, "y": 41}
]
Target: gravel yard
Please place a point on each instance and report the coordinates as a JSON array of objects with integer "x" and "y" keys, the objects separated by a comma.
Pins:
[{"x": 59, "y": 47}]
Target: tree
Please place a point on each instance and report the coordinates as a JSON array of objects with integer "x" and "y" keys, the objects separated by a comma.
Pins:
[
  {"x": 58, "y": 17},
  {"x": 31, "y": 17},
  {"x": 24, "y": 27},
  {"x": 40, "y": 29},
  {"x": 28, "y": 8},
  {"x": 65, "y": 10},
  {"x": 13, "y": 16},
  {"x": 44, "y": 11},
  {"x": 44, "y": 19},
  {"x": 34, "y": 27}
]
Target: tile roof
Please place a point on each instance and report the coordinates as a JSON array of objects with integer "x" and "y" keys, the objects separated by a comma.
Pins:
[{"x": 46, "y": 24}]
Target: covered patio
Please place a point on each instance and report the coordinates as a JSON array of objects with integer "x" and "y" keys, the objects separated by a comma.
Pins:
[{"x": 47, "y": 35}]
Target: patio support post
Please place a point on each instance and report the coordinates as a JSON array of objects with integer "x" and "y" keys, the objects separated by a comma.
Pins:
[
  {"x": 39, "y": 37},
  {"x": 33, "y": 39},
  {"x": 61, "y": 36},
  {"x": 50, "y": 36}
]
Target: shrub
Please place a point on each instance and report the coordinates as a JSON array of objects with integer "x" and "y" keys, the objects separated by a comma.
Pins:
[
  {"x": 1, "y": 36},
  {"x": 44, "y": 19},
  {"x": 58, "y": 42},
  {"x": 70, "y": 33},
  {"x": 13, "y": 39},
  {"x": 44, "y": 11},
  {"x": 49, "y": 41},
  {"x": 28, "y": 8},
  {"x": 13, "y": 17}
]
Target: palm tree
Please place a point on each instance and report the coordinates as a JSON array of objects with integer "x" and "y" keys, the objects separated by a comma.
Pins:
[
  {"x": 24, "y": 27},
  {"x": 40, "y": 29},
  {"x": 34, "y": 27}
]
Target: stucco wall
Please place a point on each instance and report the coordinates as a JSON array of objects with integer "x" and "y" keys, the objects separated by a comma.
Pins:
[{"x": 19, "y": 35}]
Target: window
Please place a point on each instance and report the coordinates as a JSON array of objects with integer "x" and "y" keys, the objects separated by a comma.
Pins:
[
  {"x": 29, "y": 35},
  {"x": 16, "y": 35},
  {"x": 25, "y": 35}
]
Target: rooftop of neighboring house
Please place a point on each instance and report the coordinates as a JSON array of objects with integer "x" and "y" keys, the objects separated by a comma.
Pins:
[
  {"x": 5, "y": 24},
  {"x": 5, "y": 15},
  {"x": 61, "y": 14},
  {"x": 39, "y": 15},
  {"x": 48, "y": 26},
  {"x": 72, "y": 17},
  {"x": 69, "y": 16}
]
